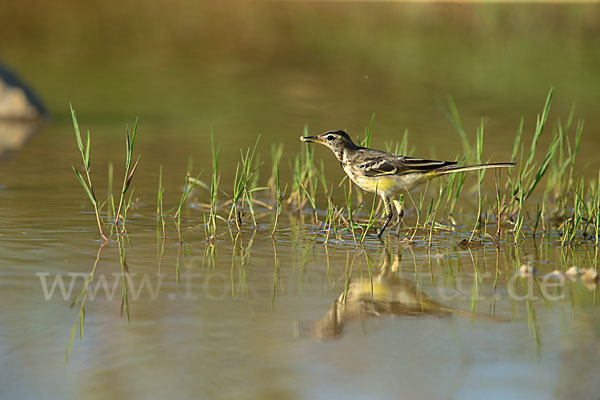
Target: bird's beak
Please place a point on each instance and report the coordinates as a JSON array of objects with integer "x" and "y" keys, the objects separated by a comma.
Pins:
[{"x": 311, "y": 139}]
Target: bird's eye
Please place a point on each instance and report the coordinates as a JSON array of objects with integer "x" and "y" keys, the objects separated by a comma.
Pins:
[{"x": 330, "y": 137}]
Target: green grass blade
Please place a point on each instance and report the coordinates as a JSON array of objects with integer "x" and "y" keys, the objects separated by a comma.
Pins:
[
  {"x": 87, "y": 189},
  {"x": 76, "y": 126},
  {"x": 134, "y": 134},
  {"x": 70, "y": 341},
  {"x": 87, "y": 152}
]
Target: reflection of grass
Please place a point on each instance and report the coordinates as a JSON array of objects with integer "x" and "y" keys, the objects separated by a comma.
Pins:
[
  {"x": 83, "y": 296},
  {"x": 275, "y": 273},
  {"x": 381, "y": 291}
]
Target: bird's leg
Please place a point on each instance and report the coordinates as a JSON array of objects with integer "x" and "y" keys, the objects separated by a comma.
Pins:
[
  {"x": 399, "y": 209},
  {"x": 388, "y": 212}
]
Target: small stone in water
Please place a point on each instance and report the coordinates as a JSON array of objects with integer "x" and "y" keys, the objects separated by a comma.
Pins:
[
  {"x": 591, "y": 285},
  {"x": 590, "y": 275},
  {"x": 558, "y": 273},
  {"x": 526, "y": 270}
]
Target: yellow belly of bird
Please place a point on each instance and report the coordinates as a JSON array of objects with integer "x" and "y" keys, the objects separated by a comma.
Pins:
[{"x": 390, "y": 185}]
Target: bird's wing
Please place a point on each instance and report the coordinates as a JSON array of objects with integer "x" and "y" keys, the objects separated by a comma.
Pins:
[
  {"x": 380, "y": 164},
  {"x": 418, "y": 164}
]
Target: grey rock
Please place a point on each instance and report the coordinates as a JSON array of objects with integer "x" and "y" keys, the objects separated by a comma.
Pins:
[
  {"x": 17, "y": 100},
  {"x": 21, "y": 112}
]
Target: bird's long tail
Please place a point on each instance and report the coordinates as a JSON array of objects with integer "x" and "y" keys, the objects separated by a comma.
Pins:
[{"x": 451, "y": 170}]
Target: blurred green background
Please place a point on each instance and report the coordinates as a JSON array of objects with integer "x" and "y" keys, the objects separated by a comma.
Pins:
[{"x": 248, "y": 68}]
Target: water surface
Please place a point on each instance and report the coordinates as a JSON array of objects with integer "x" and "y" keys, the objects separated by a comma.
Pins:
[{"x": 253, "y": 317}]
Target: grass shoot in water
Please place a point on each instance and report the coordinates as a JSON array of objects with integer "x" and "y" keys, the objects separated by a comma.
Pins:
[
  {"x": 159, "y": 202},
  {"x": 128, "y": 175},
  {"x": 87, "y": 184}
]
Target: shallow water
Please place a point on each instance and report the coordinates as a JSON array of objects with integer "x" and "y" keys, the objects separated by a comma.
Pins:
[{"x": 253, "y": 317}]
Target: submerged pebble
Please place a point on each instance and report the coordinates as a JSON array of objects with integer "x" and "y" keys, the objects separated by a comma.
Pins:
[
  {"x": 590, "y": 275},
  {"x": 558, "y": 273},
  {"x": 590, "y": 285},
  {"x": 527, "y": 270}
]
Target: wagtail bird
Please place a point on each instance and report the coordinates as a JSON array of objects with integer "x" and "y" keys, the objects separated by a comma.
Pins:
[{"x": 387, "y": 174}]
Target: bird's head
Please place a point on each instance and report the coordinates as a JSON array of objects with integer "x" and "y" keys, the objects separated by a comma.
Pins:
[{"x": 336, "y": 140}]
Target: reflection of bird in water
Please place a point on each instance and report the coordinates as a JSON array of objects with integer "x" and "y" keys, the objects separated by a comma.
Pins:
[{"x": 384, "y": 295}]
